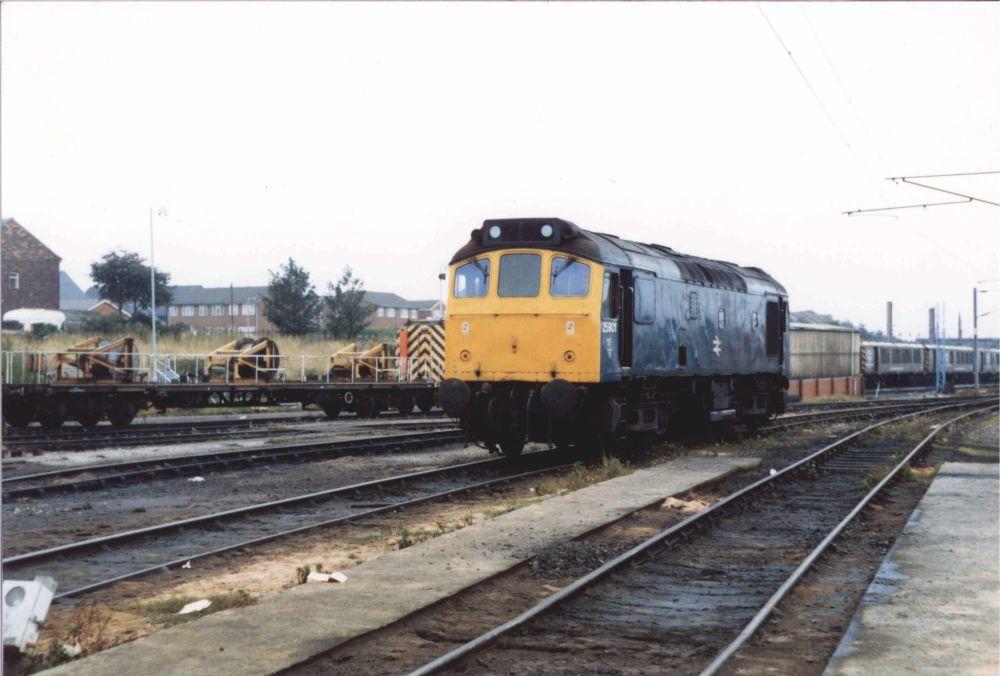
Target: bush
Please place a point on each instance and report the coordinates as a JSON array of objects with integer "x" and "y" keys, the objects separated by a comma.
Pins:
[
  {"x": 12, "y": 325},
  {"x": 103, "y": 325},
  {"x": 42, "y": 331}
]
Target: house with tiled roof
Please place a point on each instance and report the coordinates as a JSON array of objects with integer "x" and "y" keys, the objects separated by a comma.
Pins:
[
  {"x": 392, "y": 311},
  {"x": 30, "y": 270},
  {"x": 220, "y": 309}
]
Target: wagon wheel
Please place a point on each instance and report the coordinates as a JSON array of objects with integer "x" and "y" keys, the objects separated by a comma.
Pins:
[
  {"x": 425, "y": 402},
  {"x": 403, "y": 403},
  {"x": 51, "y": 415},
  {"x": 366, "y": 407},
  {"x": 120, "y": 413},
  {"x": 89, "y": 414},
  {"x": 17, "y": 413},
  {"x": 331, "y": 407}
]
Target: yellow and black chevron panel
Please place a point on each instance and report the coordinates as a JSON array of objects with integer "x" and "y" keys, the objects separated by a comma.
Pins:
[{"x": 425, "y": 348}]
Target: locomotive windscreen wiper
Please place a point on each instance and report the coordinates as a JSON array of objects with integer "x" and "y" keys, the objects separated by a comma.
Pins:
[{"x": 569, "y": 262}]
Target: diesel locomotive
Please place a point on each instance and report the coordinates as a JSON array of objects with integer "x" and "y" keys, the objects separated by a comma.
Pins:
[{"x": 562, "y": 335}]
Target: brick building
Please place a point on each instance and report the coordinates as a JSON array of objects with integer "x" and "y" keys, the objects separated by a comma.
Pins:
[
  {"x": 224, "y": 309},
  {"x": 30, "y": 270},
  {"x": 393, "y": 311}
]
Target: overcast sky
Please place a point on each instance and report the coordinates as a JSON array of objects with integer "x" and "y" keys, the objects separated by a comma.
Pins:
[{"x": 379, "y": 135}]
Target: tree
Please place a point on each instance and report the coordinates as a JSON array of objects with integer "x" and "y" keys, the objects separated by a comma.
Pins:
[
  {"x": 292, "y": 302},
  {"x": 122, "y": 277},
  {"x": 346, "y": 313}
]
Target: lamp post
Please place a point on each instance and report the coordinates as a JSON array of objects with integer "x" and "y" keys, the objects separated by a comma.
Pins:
[{"x": 152, "y": 292}]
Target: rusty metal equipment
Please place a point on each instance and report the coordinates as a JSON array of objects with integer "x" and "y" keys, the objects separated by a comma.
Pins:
[
  {"x": 374, "y": 363},
  {"x": 244, "y": 359},
  {"x": 99, "y": 360}
]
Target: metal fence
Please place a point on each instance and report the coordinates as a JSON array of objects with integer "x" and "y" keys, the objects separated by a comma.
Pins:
[{"x": 28, "y": 367}]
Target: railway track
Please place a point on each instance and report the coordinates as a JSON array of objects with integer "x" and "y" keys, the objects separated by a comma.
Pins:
[
  {"x": 108, "y": 475},
  {"x": 689, "y": 597},
  {"x": 851, "y": 412},
  {"x": 92, "y": 564},
  {"x": 37, "y": 439}
]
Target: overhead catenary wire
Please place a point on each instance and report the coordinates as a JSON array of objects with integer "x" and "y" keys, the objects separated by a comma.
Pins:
[
  {"x": 963, "y": 173},
  {"x": 907, "y": 180},
  {"x": 966, "y": 199},
  {"x": 805, "y": 79},
  {"x": 819, "y": 100},
  {"x": 906, "y": 206}
]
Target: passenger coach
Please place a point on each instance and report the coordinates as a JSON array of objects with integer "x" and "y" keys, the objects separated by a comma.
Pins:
[{"x": 558, "y": 334}]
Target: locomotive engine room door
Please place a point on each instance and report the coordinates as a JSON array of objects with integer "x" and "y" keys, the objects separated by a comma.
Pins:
[
  {"x": 625, "y": 320},
  {"x": 775, "y": 324}
]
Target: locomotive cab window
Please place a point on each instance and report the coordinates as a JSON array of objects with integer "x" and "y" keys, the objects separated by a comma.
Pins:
[
  {"x": 612, "y": 296},
  {"x": 569, "y": 277},
  {"x": 520, "y": 275},
  {"x": 472, "y": 280}
]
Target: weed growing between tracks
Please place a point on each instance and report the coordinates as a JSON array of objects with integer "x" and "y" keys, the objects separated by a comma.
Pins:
[
  {"x": 583, "y": 476},
  {"x": 164, "y": 612}
]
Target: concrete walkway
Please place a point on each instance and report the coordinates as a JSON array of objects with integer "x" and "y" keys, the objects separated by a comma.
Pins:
[
  {"x": 934, "y": 605},
  {"x": 288, "y": 628}
]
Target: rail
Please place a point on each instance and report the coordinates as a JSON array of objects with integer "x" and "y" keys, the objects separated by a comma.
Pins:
[{"x": 672, "y": 535}]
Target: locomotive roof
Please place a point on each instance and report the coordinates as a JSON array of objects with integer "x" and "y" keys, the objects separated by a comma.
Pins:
[{"x": 611, "y": 249}]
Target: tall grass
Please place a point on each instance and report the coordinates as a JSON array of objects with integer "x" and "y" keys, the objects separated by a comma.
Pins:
[{"x": 186, "y": 343}]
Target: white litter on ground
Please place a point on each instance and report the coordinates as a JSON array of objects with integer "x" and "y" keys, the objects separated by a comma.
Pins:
[
  {"x": 187, "y": 565},
  {"x": 194, "y": 607},
  {"x": 197, "y": 478},
  {"x": 326, "y": 577}
]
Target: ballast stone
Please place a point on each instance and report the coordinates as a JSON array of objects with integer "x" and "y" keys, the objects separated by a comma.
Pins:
[{"x": 307, "y": 620}]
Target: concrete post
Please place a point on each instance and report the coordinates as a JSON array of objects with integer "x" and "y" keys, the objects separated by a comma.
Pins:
[{"x": 975, "y": 335}]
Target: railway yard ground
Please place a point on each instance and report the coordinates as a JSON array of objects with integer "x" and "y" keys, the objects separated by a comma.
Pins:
[{"x": 440, "y": 546}]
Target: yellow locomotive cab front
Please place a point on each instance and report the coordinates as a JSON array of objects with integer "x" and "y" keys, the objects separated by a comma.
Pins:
[{"x": 524, "y": 314}]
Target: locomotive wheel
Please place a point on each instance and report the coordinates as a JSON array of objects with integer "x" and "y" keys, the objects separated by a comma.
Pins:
[
  {"x": 17, "y": 413},
  {"x": 425, "y": 403},
  {"x": 331, "y": 407},
  {"x": 51, "y": 416},
  {"x": 121, "y": 413},
  {"x": 512, "y": 444}
]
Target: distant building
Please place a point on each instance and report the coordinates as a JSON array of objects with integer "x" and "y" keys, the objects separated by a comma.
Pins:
[
  {"x": 30, "y": 270},
  {"x": 222, "y": 309},
  {"x": 393, "y": 311},
  {"x": 69, "y": 290}
]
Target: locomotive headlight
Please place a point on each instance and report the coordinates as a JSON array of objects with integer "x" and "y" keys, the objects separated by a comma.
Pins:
[
  {"x": 464, "y": 355},
  {"x": 570, "y": 356},
  {"x": 495, "y": 232},
  {"x": 546, "y": 230}
]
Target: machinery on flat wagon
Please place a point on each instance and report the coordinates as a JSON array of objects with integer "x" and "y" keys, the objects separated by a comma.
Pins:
[
  {"x": 244, "y": 359},
  {"x": 103, "y": 379},
  {"x": 98, "y": 360},
  {"x": 562, "y": 335}
]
